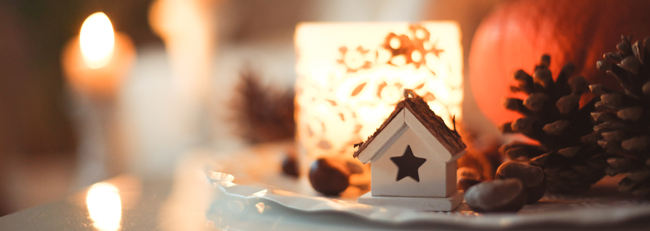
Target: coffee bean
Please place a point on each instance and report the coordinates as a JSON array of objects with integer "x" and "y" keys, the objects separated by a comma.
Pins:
[
  {"x": 290, "y": 165},
  {"x": 467, "y": 177},
  {"x": 329, "y": 176},
  {"x": 496, "y": 196},
  {"x": 465, "y": 183},
  {"x": 531, "y": 176}
]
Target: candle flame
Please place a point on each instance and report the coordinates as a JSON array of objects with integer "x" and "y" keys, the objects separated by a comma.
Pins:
[
  {"x": 97, "y": 40},
  {"x": 104, "y": 206}
]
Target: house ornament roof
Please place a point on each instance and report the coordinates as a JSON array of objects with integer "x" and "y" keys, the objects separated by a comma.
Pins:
[{"x": 450, "y": 139}]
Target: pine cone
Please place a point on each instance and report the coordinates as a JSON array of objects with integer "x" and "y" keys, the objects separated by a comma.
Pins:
[
  {"x": 567, "y": 150},
  {"x": 262, "y": 113},
  {"x": 623, "y": 118}
]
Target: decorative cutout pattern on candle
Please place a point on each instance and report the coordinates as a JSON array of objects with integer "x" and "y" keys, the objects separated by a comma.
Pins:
[{"x": 351, "y": 76}]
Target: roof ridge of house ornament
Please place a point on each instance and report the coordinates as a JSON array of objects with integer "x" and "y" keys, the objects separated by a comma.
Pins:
[{"x": 413, "y": 155}]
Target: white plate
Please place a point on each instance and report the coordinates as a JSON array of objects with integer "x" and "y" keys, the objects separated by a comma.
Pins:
[{"x": 251, "y": 207}]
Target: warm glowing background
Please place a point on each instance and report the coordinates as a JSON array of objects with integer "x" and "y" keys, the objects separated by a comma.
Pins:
[
  {"x": 350, "y": 78},
  {"x": 173, "y": 97}
]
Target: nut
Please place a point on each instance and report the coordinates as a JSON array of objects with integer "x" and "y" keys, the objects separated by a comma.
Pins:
[
  {"x": 496, "y": 196},
  {"x": 467, "y": 177},
  {"x": 531, "y": 176},
  {"x": 329, "y": 176}
]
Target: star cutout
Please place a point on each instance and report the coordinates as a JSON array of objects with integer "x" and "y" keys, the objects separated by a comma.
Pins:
[{"x": 408, "y": 164}]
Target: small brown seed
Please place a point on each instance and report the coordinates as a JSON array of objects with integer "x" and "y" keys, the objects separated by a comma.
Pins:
[
  {"x": 467, "y": 177},
  {"x": 496, "y": 196},
  {"x": 466, "y": 183},
  {"x": 329, "y": 176},
  {"x": 531, "y": 176},
  {"x": 469, "y": 173},
  {"x": 290, "y": 165}
]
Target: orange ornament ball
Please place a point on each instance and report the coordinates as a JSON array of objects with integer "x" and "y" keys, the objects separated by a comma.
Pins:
[{"x": 517, "y": 33}]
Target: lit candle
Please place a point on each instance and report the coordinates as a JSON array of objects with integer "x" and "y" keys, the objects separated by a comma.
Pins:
[
  {"x": 352, "y": 75},
  {"x": 96, "y": 61}
]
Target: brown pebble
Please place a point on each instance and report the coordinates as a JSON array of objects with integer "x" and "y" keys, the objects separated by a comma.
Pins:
[
  {"x": 531, "y": 176},
  {"x": 329, "y": 176},
  {"x": 290, "y": 165},
  {"x": 496, "y": 196}
]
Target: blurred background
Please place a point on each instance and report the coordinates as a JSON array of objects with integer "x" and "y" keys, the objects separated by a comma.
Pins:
[{"x": 57, "y": 136}]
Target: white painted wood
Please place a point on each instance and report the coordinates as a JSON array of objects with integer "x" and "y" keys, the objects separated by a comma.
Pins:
[
  {"x": 458, "y": 155},
  {"x": 378, "y": 154},
  {"x": 433, "y": 174},
  {"x": 437, "y": 174},
  {"x": 382, "y": 138},
  {"x": 420, "y": 203},
  {"x": 426, "y": 136}
]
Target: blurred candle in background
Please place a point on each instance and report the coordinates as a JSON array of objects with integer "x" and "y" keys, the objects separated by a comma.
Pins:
[
  {"x": 95, "y": 63},
  {"x": 97, "y": 60},
  {"x": 187, "y": 27},
  {"x": 352, "y": 75}
]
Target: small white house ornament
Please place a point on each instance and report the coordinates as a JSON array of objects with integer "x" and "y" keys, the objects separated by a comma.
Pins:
[{"x": 413, "y": 155}]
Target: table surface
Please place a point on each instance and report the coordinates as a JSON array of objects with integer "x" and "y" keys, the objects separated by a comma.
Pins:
[
  {"x": 189, "y": 202},
  {"x": 179, "y": 203}
]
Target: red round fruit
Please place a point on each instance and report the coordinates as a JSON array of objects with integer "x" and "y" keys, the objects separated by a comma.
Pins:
[{"x": 517, "y": 33}]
